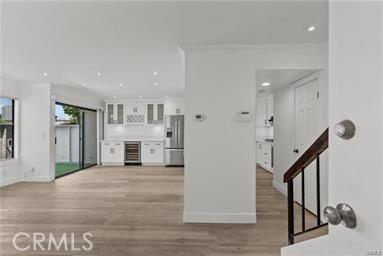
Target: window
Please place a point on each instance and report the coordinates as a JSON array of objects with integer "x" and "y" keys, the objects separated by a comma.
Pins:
[{"x": 7, "y": 131}]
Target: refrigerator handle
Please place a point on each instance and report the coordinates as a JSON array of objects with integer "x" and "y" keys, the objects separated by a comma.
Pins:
[
  {"x": 176, "y": 133},
  {"x": 179, "y": 134}
]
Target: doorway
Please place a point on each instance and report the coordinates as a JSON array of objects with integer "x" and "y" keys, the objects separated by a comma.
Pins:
[
  {"x": 75, "y": 139},
  {"x": 297, "y": 116},
  {"x": 306, "y": 131}
]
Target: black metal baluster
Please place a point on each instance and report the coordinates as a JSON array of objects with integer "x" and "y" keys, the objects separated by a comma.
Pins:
[
  {"x": 290, "y": 211},
  {"x": 303, "y": 200},
  {"x": 318, "y": 190}
]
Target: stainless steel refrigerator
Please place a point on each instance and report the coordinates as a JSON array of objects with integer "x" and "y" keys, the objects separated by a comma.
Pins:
[{"x": 174, "y": 140}]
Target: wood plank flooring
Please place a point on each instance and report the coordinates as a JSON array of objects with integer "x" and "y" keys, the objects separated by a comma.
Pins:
[{"x": 136, "y": 211}]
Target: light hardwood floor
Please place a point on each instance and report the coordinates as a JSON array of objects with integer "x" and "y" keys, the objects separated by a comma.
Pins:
[{"x": 136, "y": 211}]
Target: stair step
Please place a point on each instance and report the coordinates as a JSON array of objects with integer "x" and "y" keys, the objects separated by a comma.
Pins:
[{"x": 312, "y": 234}]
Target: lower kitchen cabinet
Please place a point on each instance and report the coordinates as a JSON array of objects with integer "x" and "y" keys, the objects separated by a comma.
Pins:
[
  {"x": 112, "y": 153},
  {"x": 265, "y": 156},
  {"x": 152, "y": 152}
]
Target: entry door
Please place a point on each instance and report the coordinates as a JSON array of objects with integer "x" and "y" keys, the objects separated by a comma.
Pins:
[
  {"x": 355, "y": 165},
  {"x": 306, "y": 132},
  {"x": 356, "y": 93}
]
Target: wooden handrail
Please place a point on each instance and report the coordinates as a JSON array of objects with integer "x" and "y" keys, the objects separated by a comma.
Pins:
[{"x": 308, "y": 156}]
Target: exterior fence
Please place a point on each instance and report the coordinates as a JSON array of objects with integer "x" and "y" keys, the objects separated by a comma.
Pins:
[{"x": 67, "y": 143}]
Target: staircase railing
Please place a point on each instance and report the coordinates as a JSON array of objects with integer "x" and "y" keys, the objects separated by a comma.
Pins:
[{"x": 311, "y": 154}]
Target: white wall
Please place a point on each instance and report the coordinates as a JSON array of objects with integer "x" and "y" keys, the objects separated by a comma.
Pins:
[
  {"x": 35, "y": 130},
  {"x": 220, "y": 152},
  {"x": 81, "y": 97},
  {"x": 126, "y": 132},
  {"x": 265, "y": 132},
  {"x": 283, "y": 134},
  {"x": 36, "y": 133}
]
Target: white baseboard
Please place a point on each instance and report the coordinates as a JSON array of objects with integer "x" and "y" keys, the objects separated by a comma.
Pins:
[
  {"x": 207, "y": 217},
  {"x": 10, "y": 181},
  {"x": 112, "y": 164},
  {"x": 280, "y": 187},
  {"x": 37, "y": 179}
]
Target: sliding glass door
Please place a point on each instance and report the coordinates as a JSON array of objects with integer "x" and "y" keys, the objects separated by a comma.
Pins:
[
  {"x": 89, "y": 136},
  {"x": 67, "y": 127},
  {"x": 76, "y": 139}
]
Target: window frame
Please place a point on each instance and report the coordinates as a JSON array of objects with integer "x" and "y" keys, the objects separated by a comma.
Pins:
[{"x": 13, "y": 120}]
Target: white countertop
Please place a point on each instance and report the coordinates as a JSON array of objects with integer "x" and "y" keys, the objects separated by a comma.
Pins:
[
  {"x": 135, "y": 139},
  {"x": 259, "y": 140}
]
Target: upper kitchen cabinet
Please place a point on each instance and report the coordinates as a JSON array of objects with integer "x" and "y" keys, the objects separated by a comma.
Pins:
[
  {"x": 135, "y": 113},
  {"x": 174, "y": 107},
  {"x": 115, "y": 113},
  {"x": 264, "y": 116},
  {"x": 155, "y": 113}
]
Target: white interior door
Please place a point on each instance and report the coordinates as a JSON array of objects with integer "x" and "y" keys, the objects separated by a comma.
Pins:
[
  {"x": 307, "y": 130},
  {"x": 355, "y": 165},
  {"x": 356, "y": 88}
]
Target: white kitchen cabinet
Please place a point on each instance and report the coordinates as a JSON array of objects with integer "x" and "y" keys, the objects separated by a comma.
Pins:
[
  {"x": 155, "y": 113},
  {"x": 135, "y": 113},
  {"x": 176, "y": 107},
  {"x": 264, "y": 111},
  {"x": 259, "y": 153},
  {"x": 152, "y": 152},
  {"x": 265, "y": 155},
  {"x": 115, "y": 113},
  {"x": 112, "y": 153}
]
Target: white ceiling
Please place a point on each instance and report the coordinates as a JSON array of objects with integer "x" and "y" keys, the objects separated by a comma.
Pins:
[
  {"x": 278, "y": 79},
  {"x": 128, "y": 41}
]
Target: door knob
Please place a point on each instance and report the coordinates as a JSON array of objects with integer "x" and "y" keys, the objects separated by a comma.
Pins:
[
  {"x": 345, "y": 129},
  {"x": 296, "y": 151},
  {"x": 342, "y": 213}
]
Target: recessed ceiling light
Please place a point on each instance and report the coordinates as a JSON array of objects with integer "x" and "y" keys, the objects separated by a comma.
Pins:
[
  {"x": 311, "y": 28},
  {"x": 114, "y": 96},
  {"x": 99, "y": 74},
  {"x": 155, "y": 73},
  {"x": 84, "y": 84},
  {"x": 121, "y": 85},
  {"x": 45, "y": 74},
  {"x": 156, "y": 84},
  {"x": 266, "y": 84},
  {"x": 166, "y": 96},
  {"x": 141, "y": 97}
]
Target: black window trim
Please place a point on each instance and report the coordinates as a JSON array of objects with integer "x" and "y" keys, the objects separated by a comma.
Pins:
[{"x": 13, "y": 102}]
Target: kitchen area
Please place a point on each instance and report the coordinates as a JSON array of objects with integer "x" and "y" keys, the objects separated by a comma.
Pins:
[
  {"x": 143, "y": 132},
  {"x": 265, "y": 132}
]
